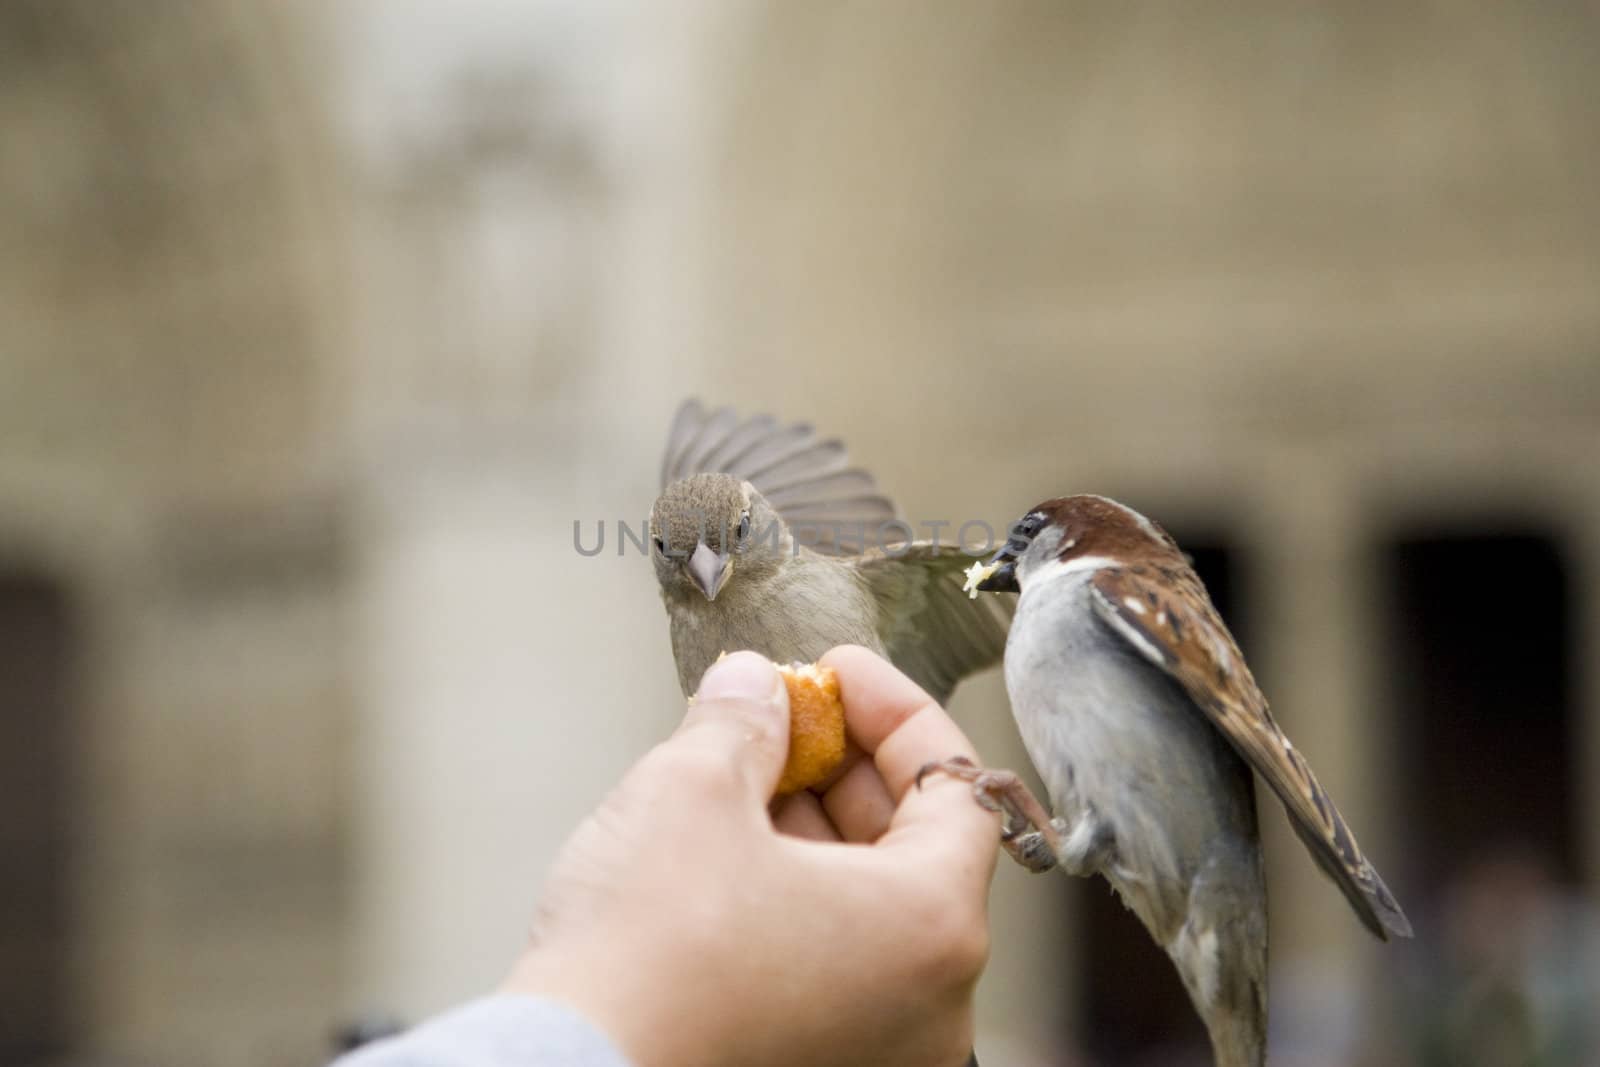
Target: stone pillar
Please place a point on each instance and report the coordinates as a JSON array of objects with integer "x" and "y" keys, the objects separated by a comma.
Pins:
[
  {"x": 1313, "y": 583},
  {"x": 533, "y": 289}
]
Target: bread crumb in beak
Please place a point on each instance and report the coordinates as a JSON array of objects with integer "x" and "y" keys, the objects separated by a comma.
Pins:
[{"x": 976, "y": 574}]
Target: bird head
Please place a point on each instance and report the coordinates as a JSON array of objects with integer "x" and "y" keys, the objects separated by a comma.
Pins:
[
  {"x": 1071, "y": 528},
  {"x": 706, "y": 527}
]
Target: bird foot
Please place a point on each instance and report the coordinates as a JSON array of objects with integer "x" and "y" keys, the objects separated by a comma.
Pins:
[
  {"x": 1031, "y": 851},
  {"x": 1030, "y": 836}
]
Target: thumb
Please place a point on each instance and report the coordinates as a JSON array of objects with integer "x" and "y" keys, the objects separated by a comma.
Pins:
[{"x": 738, "y": 723}]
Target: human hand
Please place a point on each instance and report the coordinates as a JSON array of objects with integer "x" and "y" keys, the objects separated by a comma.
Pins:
[{"x": 695, "y": 927}]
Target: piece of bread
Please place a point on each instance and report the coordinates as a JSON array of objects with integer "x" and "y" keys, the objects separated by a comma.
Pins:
[{"x": 816, "y": 726}]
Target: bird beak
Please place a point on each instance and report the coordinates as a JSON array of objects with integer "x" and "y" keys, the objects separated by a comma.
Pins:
[
  {"x": 709, "y": 570},
  {"x": 1003, "y": 579}
]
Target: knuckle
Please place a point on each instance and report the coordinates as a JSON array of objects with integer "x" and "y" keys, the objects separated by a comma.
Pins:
[
  {"x": 754, "y": 724},
  {"x": 696, "y": 769}
]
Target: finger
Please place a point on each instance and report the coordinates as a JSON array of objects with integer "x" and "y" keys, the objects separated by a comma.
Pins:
[
  {"x": 877, "y": 697},
  {"x": 879, "y": 704},
  {"x": 892, "y": 717},
  {"x": 737, "y": 725},
  {"x": 801, "y": 815},
  {"x": 859, "y": 803},
  {"x": 939, "y": 819},
  {"x": 852, "y": 755}
]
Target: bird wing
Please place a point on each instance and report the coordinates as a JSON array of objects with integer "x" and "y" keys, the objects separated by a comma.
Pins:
[
  {"x": 929, "y": 627},
  {"x": 1164, "y": 614},
  {"x": 835, "y": 508}
]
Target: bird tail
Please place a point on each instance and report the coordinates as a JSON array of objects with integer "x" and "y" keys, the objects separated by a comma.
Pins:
[
  {"x": 1221, "y": 955},
  {"x": 1236, "y": 1014},
  {"x": 1238, "y": 1039}
]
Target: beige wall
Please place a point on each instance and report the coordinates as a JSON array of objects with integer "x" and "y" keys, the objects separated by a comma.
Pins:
[
  {"x": 313, "y": 343},
  {"x": 164, "y": 455}
]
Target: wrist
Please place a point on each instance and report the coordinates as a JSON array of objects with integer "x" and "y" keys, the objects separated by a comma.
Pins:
[{"x": 653, "y": 1018}]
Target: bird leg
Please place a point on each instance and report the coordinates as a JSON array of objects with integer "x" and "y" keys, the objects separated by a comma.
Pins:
[
  {"x": 1030, "y": 836},
  {"x": 1081, "y": 847}
]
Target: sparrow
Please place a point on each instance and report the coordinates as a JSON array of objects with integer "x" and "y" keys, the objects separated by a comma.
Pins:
[
  {"x": 1145, "y": 725},
  {"x": 765, "y": 537}
]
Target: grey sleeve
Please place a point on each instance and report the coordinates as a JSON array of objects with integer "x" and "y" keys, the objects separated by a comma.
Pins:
[{"x": 505, "y": 1030}]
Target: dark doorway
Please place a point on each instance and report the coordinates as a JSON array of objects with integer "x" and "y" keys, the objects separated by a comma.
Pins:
[
  {"x": 37, "y": 643},
  {"x": 1482, "y": 679},
  {"x": 1135, "y": 1010},
  {"x": 1483, "y": 688}
]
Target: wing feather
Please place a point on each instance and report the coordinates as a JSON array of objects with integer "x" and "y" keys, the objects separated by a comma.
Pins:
[
  {"x": 1166, "y": 616},
  {"x": 930, "y": 628},
  {"x": 807, "y": 479},
  {"x": 686, "y": 426},
  {"x": 802, "y": 465},
  {"x": 850, "y": 483}
]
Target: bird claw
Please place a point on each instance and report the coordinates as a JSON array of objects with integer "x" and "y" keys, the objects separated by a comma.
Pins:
[
  {"x": 1028, "y": 834},
  {"x": 955, "y": 766},
  {"x": 986, "y": 787},
  {"x": 1031, "y": 851}
]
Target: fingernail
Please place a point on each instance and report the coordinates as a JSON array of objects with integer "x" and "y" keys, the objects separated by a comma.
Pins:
[{"x": 741, "y": 676}]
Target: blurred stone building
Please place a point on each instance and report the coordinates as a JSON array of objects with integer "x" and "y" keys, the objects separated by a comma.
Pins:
[{"x": 319, "y": 328}]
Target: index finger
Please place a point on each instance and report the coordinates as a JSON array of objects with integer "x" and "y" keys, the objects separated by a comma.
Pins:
[
  {"x": 904, "y": 729},
  {"x": 884, "y": 711}
]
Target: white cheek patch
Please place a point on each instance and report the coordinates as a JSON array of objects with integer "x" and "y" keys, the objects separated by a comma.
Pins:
[{"x": 1049, "y": 572}]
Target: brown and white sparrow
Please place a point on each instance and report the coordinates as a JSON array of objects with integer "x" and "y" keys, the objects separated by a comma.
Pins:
[
  {"x": 1145, "y": 724},
  {"x": 764, "y": 537}
]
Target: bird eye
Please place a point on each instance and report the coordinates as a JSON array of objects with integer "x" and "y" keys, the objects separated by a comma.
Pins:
[
  {"x": 1023, "y": 532},
  {"x": 661, "y": 546},
  {"x": 744, "y": 527}
]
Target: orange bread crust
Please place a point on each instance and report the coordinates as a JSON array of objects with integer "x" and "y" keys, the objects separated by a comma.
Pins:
[{"x": 816, "y": 726}]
